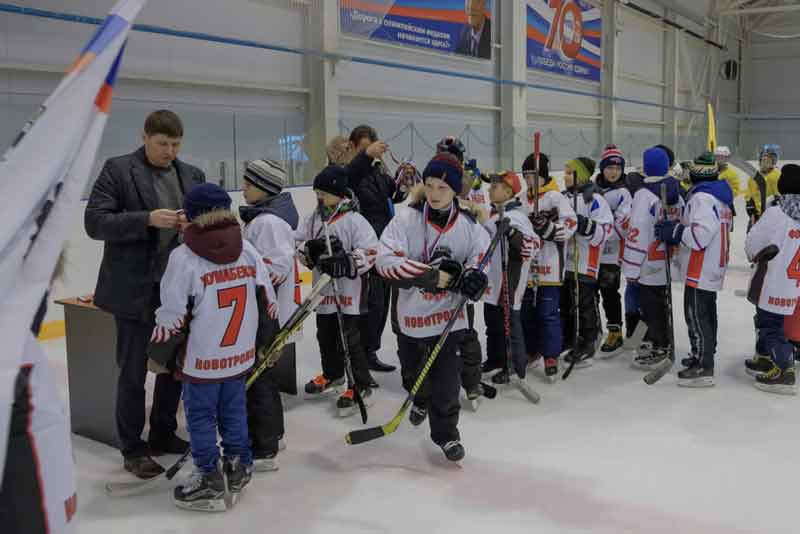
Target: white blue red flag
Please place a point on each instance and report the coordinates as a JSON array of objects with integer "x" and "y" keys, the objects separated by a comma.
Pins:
[{"x": 42, "y": 175}]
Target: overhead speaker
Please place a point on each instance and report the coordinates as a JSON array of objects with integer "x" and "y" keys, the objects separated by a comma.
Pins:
[{"x": 730, "y": 70}]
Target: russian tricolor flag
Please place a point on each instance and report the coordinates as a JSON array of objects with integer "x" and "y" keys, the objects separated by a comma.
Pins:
[{"x": 42, "y": 176}]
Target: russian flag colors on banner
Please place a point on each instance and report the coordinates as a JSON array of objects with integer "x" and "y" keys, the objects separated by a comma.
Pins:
[
  {"x": 43, "y": 174},
  {"x": 564, "y": 38}
]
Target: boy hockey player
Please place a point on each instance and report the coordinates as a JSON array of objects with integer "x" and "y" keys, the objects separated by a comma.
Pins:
[
  {"x": 645, "y": 254},
  {"x": 772, "y": 242},
  {"x": 611, "y": 182},
  {"x": 354, "y": 246},
  {"x": 522, "y": 244},
  {"x": 594, "y": 221},
  {"x": 704, "y": 233},
  {"x": 722, "y": 155},
  {"x": 554, "y": 223},
  {"x": 763, "y": 184},
  {"x": 270, "y": 219},
  {"x": 218, "y": 274},
  {"x": 429, "y": 252}
]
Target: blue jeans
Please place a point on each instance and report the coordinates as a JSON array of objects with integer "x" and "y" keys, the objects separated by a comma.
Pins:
[
  {"x": 215, "y": 405},
  {"x": 541, "y": 321},
  {"x": 771, "y": 339}
]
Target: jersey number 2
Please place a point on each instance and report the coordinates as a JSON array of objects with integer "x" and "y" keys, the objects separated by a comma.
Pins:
[{"x": 237, "y": 297}]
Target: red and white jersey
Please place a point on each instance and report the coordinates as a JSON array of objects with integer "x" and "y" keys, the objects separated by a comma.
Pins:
[
  {"x": 706, "y": 242},
  {"x": 620, "y": 201},
  {"x": 643, "y": 258},
  {"x": 479, "y": 197},
  {"x": 48, "y": 434},
  {"x": 590, "y": 248},
  {"x": 408, "y": 244},
  {"x": 273, "y": 238},
  {"x": 359, "y": 240},
  {"x": 548, "y": 266},
  {"x": 780, "y": 288},
  {"x": 531, "y": 243},
  {"x": 222, "y": 332}
]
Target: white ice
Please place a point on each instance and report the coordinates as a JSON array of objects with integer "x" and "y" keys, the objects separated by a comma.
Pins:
[{"x": 601, "y": 453}]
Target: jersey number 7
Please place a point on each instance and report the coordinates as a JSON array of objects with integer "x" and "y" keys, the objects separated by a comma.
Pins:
[{"x": 235, "y": 296}]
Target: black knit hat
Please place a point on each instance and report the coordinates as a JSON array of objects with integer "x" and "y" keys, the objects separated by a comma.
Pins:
[
  {"x": 204, "y": 198},
  {"x": 704, "y": 168},
  {"x": 544, "y": 165},
  {"x": 333, "y": 179},
  {"x": 789, "y": 182}
]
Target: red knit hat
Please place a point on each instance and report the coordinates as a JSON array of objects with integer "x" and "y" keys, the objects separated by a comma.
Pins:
[{"x": 612, "y": 156}]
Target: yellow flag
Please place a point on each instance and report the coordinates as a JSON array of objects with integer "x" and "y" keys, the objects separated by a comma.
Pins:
[{"x": 712, "y": 129}]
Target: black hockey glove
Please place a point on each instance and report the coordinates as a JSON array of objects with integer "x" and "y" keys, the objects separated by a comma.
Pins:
[
  {"x": 586, "y": 226},
  {"x": 315, "y": 248},
  {"x": 544, "y": 227},
  {"x": 472, "y": 284},
  {"x": 340, "y": 265},
  {"x": 453, "y": 268},
  {"x": 750, "y": 208}
]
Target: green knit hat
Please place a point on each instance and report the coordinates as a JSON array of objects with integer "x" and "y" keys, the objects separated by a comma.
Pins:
[
  {"x": 583, "y": 169},
  {"x": 704, "y": 168}
]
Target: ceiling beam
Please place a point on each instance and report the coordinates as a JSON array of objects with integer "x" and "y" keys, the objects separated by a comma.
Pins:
[{"x": 761, "y": 10}]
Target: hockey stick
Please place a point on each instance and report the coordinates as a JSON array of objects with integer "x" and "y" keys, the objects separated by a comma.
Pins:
[
  {"x": 516, "y": 381},
  {"x": 577, "y": 291},
  {"x": 368, "y": 434},
  {"x": 663, "y": 368},
  {"x": 268, "y": 355},
  {"x": 348, "y": 365},
  {"x": 536, "y": 139}
]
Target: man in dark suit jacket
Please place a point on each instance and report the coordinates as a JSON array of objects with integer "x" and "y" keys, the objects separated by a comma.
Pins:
[
  {"x": 476, "y": 37},
  {"x": 134, "y": 208}
]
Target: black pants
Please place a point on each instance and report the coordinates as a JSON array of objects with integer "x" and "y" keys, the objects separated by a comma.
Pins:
[
  {"x": 264, "y": 414},
  {"x": 609, "y": 283},
  {"x": 588, "y": 315},
  {"x": 132, "y": 340},
  {"x": 471, "y": 354},
  {"x": 495, "y": 320},
  {"x": 653, "y": 304},
  {"x": 372, "y": 323},
  {"x": 22, "y": 510},
  {"x": 439, "y": 392},
  {"x": 700, "y": 312},
  {"x": 332, "y": 353}
]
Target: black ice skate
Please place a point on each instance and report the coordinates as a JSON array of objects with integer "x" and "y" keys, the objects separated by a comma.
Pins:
[
  {"x": 266, "y": 463},
  {"x": 501, "y": 378},
  {"x": 758, "y": 365},
  {"x": 695, "y": 376},
  {"x": 777, "y": 381},
  {"x": 238, "y": 476},
  {"x": 204, "y": 492},
  {"x": 584, "y": 356},
  {"x": 346, "y": 404},
  {"x": 453, "y": 451},
  {"x": 417, "y": 415},
  {"x": 551, "y": 370},
  {"x": 474, "y": 395},
  {"x": 613, "y": 344}
]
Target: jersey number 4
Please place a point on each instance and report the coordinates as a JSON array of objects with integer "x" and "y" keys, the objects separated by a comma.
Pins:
[
  {"x": 793, "y": 271},
  {"x": 237, "y": 297}
]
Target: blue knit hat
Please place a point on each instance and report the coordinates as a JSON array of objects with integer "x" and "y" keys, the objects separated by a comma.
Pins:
[
  {"x": 445, "y": 166},
  {"x": 656, "y": 162},
  {"x": 334, "y": 180},
  {"x": 204, "y": 198}
]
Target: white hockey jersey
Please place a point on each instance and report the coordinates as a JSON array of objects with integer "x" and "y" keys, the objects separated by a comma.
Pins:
[
  {"x": 620, "y": 201},
  {"x": 778, "y": 289},
  {"x": 358, "y": 239},
  {"x": 643, "y": 258},
  {"x": 48, "y": 432},
  {"x": 273, "y": 238},
  {"x": 548, "y": 265},
  {"x": 590, "y": 248},
  {"x": 706, "y": 239},
  {"x": 479, "y": 197},
  {"x": 531, "y": 243},
  {"x": 407, "y": 245},
  {"x": 224, "y": 321}
]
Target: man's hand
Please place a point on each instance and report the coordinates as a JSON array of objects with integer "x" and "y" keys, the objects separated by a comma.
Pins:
[
  {"x": 166, "y": 219},
  {"x": 376, "y": 149}
]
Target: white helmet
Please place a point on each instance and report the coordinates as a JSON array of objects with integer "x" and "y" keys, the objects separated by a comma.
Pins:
[{"x": 722, "y": 151}]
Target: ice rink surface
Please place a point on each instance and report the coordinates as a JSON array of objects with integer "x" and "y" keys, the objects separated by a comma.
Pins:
[{"x": 602, "y": 453}]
